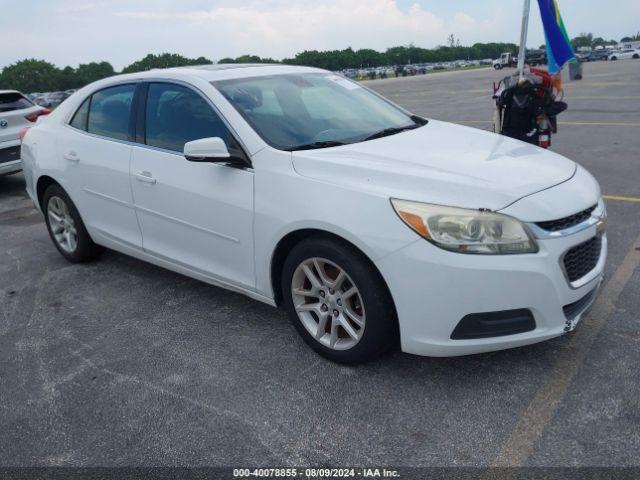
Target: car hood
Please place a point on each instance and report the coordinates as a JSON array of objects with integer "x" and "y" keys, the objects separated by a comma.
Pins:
[{"x": 440, "y": 163}]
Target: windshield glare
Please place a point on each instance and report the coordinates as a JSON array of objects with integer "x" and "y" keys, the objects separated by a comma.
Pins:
[{"x": 295, "y": 110}]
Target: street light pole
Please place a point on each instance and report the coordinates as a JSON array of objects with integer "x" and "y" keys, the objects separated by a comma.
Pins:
[{"x": 523, "y": 37}]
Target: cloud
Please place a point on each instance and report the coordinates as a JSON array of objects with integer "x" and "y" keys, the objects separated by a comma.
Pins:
[
  {"x": 280, "y": 29},
  {"x": 68, "y": 32},
  {"x": 71, "y": 8}
]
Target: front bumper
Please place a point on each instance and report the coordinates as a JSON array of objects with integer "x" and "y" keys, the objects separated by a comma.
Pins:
[{"x": 434, "y": 289}]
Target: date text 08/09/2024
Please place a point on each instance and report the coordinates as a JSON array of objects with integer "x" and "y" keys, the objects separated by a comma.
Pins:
[{"x": 315, "y": 473}]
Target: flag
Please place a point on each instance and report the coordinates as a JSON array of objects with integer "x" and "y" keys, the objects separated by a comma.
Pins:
[{"x": 559, "y": 50}]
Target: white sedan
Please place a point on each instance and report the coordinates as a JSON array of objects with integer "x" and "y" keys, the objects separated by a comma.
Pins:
[
  {"x": 373, "y": 227},
  {"x": 625, "y": 54},
  {"x": 16, "y": 113}
]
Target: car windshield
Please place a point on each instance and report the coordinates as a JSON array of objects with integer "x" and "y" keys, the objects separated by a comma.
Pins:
[{"x": 313, "y": 110}]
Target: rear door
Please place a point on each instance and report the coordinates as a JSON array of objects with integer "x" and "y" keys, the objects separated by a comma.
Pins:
[
  {"x": 96, "y": 152},
  {"x": 198, "y": 215}
]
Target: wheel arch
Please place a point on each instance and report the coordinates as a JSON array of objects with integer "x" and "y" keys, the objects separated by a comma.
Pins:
[
  {"x": 44, "y": 182},
  {"x": 294, "y": 237}
]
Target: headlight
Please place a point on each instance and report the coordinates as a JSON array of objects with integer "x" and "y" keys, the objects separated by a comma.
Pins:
[{"x": 466, "y": 231}]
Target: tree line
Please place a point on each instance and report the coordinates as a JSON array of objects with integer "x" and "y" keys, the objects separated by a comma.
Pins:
[{"x": 32, "y": 75}]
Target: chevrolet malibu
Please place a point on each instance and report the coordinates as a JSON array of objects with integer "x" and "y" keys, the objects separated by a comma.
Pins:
[{"x": 371, "y": 226}]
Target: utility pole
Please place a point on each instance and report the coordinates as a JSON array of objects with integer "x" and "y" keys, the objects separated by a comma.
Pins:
[{"x": 523, "y": 37}]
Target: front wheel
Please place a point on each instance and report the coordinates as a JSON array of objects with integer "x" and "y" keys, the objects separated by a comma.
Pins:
[
  {"x": 338, "y": 301},
  {"x": 614, "y": 59},
  {"x": 636, "y": 56},
  {"x": 66, "y": 229}
]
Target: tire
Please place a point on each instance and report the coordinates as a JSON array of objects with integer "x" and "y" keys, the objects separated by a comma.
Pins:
[
  {"x": 497, "y": 67},
  {"x": 376, "y": 328},
  {"x": 636, "y": 56},
  {"x": 57, "y": 205},
  {"x": 613, "y": 59}
]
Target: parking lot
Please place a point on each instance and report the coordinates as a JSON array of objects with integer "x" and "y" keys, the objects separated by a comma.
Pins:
[{"x": 122, "y": 363}]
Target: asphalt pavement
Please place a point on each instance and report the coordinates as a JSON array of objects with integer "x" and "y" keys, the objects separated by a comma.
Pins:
[{"x": 119, "y": 363}]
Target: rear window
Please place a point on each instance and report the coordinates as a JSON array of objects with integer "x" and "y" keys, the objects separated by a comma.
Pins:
[
  {"x": 82, "y": 115},
  {"x": 13, "y": 101}
]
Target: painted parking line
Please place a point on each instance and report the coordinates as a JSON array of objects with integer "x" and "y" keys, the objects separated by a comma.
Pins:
[
  {"x": 604, "y": 97},
  {"x": 603, "y": 124},
  {"x": 621, "y": 199},
  {"x": 538, "y": 415},
  {"x": 589, "y": 124}
]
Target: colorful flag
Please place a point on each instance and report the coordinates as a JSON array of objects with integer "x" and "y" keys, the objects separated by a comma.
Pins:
[{"x": 559, "y": 50}]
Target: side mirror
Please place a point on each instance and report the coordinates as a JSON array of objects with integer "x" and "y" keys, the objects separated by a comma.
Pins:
[{"x": 211, "y": 149}]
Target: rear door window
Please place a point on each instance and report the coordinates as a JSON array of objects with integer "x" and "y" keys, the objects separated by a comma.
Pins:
[
  {"x": 14, "y": 101},
  {"x": 110, "y": 111}
]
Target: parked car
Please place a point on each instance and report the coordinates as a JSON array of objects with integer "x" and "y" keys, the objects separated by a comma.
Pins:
[
  {"x": 596, "y": 55},
  {"x": 625, "y": 54},
  {"x": 536, "y": 57},
  {"x": 16, "y": 112},
  {"x": 41, "y": 100},
  {"x": 582, "y": 55},
  {"x": 372, "y": 228},
  {"x": 56, "y": 98}
]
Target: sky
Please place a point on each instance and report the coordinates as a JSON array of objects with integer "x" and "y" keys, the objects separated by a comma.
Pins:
[{"x": 70, "y": 32}]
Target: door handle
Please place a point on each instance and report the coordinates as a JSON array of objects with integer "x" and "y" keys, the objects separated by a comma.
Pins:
[
  {"x": 71, "y": 156},
  {"x": 145, "y": 177}
]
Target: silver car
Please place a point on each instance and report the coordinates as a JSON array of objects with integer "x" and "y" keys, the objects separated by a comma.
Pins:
[{"x": 16, "y": 113}]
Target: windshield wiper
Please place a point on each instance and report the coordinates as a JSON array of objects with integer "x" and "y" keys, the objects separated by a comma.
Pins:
[
  {"x": 391, "y": 131},
  {"x": 314, "y": 145}
]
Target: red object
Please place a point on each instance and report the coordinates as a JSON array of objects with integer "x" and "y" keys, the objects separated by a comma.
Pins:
[
  {"x": 32, "y": 117},
  {"x": 547, "y": 78},
  {"x": 23, "y": 132},
  {"x": 543, "y": 140}
]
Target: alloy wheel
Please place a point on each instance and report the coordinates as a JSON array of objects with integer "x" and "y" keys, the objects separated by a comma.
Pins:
[
  {"x": 328, "y": 303},
  {"x": 62, "y": 224}
]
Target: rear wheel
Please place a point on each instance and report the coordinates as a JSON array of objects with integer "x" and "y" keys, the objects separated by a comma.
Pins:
[
  {"x": 614, "y": 58},
  {"x": 636, "y": 56},
  {"x": 337, "y": 301},
  {"x": 66, "y": 229}
]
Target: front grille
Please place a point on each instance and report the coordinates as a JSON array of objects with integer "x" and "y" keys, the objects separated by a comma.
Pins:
[
  {"x": 10, "y": 154},
  {"x": 581, "y": 259},
  {"x": 567, "y": 222}
]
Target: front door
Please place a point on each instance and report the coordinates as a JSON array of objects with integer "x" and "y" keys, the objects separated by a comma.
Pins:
[{"x": 198, "y": 215}]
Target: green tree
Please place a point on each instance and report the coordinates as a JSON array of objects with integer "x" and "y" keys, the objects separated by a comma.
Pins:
[
  {"x": 247, "y": 59},
  {"x": 31, "y": 75},
  {"x": 90, "y": 72},
  {"x": 67, "y": 79},
  {"x": 582, "y": 40},
  {"x": 164, "y": 60}
]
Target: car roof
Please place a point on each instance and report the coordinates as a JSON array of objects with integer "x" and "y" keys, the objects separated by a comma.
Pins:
[
  {"x": 9, "y": 91},
  {"x": 212, "y": 73}
]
